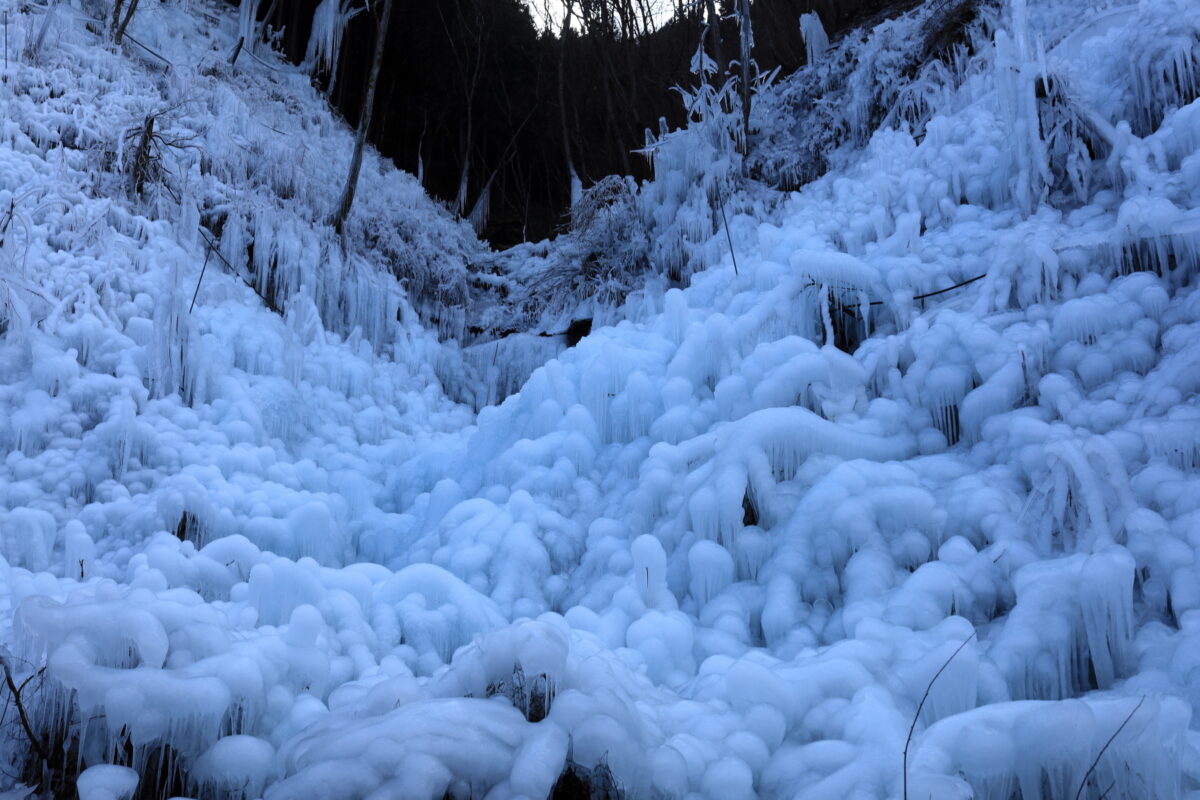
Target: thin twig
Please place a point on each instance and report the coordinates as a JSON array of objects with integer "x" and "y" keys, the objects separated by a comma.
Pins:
[
  {"x": 921, "y": 705},
  {"x": 34, "y": 741},
  {"x": 195, "y": 294},
  {"x": 20, "y": 689},
  {"x": 948, "y": 288},
  {"x": 151, "y": 51},
  {"x": 250, "y": 53},
  {"x": 8, "y": 218},
  {"x": 213, "y": 247},
  {"x": 126, "y": 36},
  {"x": 1116, "y": 733},
  {"x": 25, "y": 682},
  {"x": 237, "y": 50},
  {"x": 728, "y": 236},
  {"x": 935, "y": 293}
]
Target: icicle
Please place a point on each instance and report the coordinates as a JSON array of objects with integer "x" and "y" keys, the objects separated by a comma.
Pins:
[
  {"x": 576, "y": 185},
  {"x": 816, "y": 41},
  {"x": 1071, "y": 629},
  {"x": 711, "y": 569},
  {"x": 482, "y": 208},
  {"x": 460, "y": 199},
  {"x": 325, "y": 40},
  {"x": 248, "y": 23},
  {"x": 1055, "y": 749},
  {"x": 944, "y": 389},
  {"x": 1106, "y": 601}
]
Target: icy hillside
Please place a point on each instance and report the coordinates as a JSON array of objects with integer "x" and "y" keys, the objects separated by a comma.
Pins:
[{"x": 903, "y": 502}]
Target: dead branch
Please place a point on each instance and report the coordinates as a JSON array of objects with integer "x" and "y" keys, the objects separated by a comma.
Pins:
[{"x": 34, "y": 740}]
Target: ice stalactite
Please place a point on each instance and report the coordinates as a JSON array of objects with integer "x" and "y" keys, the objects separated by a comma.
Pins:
[
  {"x": 816, "y": 41},
  {"x": 1071, "y": 630},
  {"x": 325, "y": 40},
  {"x": 1046, "y": 750},
  {"x": 504, "y": 365},
  {"x": 1016, "y": 76},
  {"x": 248, "y": 23},
  {"x": 945, "y": 388}
]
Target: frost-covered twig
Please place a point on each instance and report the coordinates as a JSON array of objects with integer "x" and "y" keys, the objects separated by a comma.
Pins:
[
  {"x": 47, "y": 18},
  {"x": 917, "y": 715},
  {"x": 151, "y": 51},
  {"x": 195, "y": 294},
  {"x": 935, "y": 293},
  {"x": 728, "y": 236},
  {"x": 212, "y": 247},
  {"x": 237, "y": 49}
]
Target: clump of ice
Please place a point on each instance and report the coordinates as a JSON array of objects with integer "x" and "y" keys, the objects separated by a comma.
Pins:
[{"x": 107, "y": 782}]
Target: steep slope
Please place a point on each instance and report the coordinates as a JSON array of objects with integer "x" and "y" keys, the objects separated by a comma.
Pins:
[{"x": 707, "y": 552}]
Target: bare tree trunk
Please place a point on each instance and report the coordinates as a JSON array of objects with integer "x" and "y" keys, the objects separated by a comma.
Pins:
[
  {"x": 714, "y": 38},
  {"x": 364, "y": 122},
  {"x": 133, "y": 4},
  {"x": 562, "y": 100},
  {"x": 603, "y": 45},
  {"x": 470, "y": 83},
  {"x": 116, "y": 17},
  {"x": 747, "y": 44}
]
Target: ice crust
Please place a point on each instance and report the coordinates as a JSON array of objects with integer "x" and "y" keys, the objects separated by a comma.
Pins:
[{"x": 705, "y": 548}]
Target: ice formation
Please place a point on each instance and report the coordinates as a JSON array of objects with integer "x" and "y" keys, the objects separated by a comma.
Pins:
[{"x": 264, "y": 534}]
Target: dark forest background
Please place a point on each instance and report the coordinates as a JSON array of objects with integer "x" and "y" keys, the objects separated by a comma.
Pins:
[{"x": 480, "y": 79}]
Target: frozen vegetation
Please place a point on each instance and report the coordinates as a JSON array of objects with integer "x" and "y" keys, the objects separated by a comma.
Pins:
[{"x": 284, "y": 515}]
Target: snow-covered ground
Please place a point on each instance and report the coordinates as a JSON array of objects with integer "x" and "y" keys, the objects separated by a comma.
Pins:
[{"x": 251, "y": 549}]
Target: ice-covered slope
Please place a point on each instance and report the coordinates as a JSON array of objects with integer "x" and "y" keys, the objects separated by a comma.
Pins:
[{"x": 704, "y": 553}]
